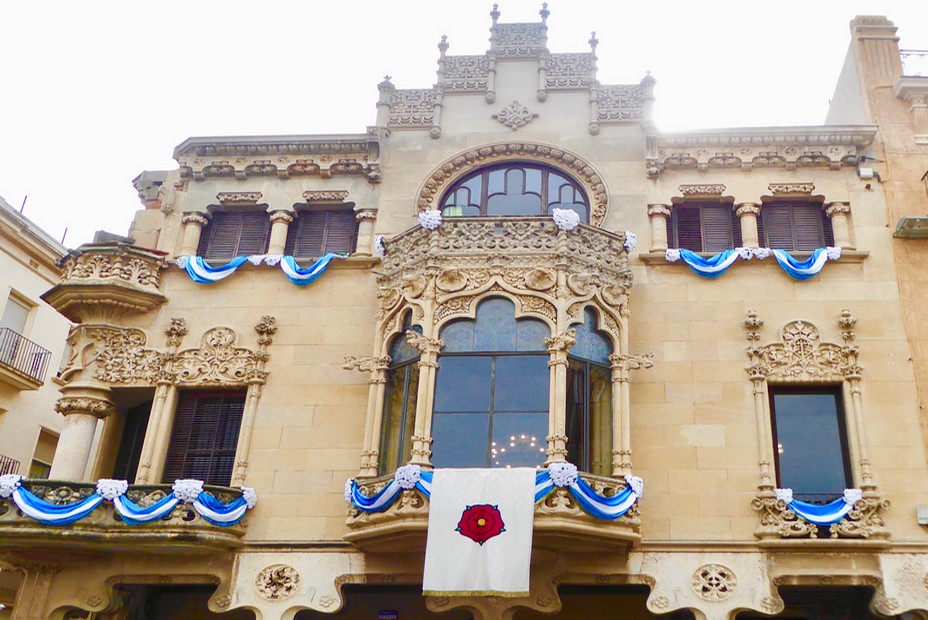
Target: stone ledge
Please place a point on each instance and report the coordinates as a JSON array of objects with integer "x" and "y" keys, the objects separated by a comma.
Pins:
[{"x": 657, "y": 258}]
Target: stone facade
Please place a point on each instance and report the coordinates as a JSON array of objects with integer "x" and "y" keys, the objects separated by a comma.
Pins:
[{"x": 692, "y": 362}]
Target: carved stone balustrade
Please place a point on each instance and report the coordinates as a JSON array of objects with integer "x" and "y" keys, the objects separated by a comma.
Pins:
[
  {"x": 778, "y": 522},
  {"x": 560, "y": 523},
  {"x": 182, "y": 530},
  {"x": 530, "y": 257},
  {"x": 101, "y": 282}
]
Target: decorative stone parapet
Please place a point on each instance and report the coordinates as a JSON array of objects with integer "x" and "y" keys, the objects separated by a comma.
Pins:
[
  {"x": 182, "y": 529},
  {"x": 107, "y": 281},
  {"x": 777, "y": 521},
  {"x": 560, "y": 522}
]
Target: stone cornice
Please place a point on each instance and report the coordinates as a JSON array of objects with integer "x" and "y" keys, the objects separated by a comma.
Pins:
[
  {"x": 274, "y": 145},
  {"x": 855, "y": 135}
]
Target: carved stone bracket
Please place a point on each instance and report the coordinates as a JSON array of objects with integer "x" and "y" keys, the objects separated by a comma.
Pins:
[{"x": 865, "y": 520}]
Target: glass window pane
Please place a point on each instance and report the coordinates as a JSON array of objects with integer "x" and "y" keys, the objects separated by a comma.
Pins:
[
  {"x": 600, "y": 425},
  {"x": 531, "y": 334},
  {"x": 521, "y": 383},
  {"x": 810, "y": 447},
  {"x": 460, "y": 439},
  {"x": 519, "y": 439},
  {"x": 591, "y": 344},
  {"x": 399, "y": 410},
  {"x": 458, "y": 337},
  {"x": 463, "y": 384},
  {"x": 495, "y": 328}
]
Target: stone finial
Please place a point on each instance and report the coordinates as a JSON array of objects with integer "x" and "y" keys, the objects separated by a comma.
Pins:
[
  {"x": 593, "y": 41},
  {"x": 544, "y": 12},
  {"x": 386, "y": 84},
  {"x": 443, "y": 45},
  {"x": 494, "y": 14}
]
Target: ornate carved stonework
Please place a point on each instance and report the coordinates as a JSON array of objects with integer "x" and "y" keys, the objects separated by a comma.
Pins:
[
  {"x": 81, "y": 404},
  {"x": 277, "y": 582},
  {"x": 329, "y": 196},
  {"x": 622, "y": 103},
  {"x": 791, "y": 188},
  {"x": 459, "y": 165},
  {"x": 801, "y": 356},
  {"x": 865, "y": 520},
  {"x": 565, "y": 71},
  {"x": 219, "y": 362},
  {"x": 413, "y": 107},
  {"x": 515, "y": 115},
  {"x": 702, "y": 190},
  {"x": 714, "y": 582},
  {"x": 746, "y": 148},
  {"x": 519, "y": 39},
  {"x": 464, "y": 73},
  {"x": 108, "y": 281},
  {"x": 239, "y": 197},
  {"x": 194, "y": 218},
  {"x": 281, "y": 216}
]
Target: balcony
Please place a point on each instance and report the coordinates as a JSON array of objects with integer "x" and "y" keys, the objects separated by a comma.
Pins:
[
  {"x": 863, "y": 523},
  {"x": 102, "y": 282},
  {"x": 180, "y": 531},
  {"x": 8, "y": 465},
  {"x": 560, "y": 523},
  {"x": 22, "y": 362}
]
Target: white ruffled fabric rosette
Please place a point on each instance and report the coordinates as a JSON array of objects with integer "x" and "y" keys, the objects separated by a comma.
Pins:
[
  {"x": 430, "y": 219},
  {"x": 187, "y": 490},
  {"x": 407, "y": 476},
  {"x": 250, "y": 496},
  {"x": 563, "y": 474},
  {"x": 631, "y": 241},
  {"x": 565, "y": 219},
  {"x": 8, "y": 484},
  {"x": 109, "y": 488}
]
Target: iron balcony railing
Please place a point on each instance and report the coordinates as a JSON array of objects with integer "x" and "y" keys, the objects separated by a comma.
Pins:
[
  {"x": 8, "y": 465},
  {"x": 914, "y": 63},
  {"x": 23, "y": 355}
]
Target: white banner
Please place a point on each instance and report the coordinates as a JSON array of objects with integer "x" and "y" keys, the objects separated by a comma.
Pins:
[{"x": 480, "y": 532}]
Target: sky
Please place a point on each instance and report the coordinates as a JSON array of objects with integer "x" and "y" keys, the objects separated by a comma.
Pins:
[{"x": 97, "y": 91}]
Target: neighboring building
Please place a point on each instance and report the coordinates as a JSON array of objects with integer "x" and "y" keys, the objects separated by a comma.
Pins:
[{"x": 505, "y": 323}]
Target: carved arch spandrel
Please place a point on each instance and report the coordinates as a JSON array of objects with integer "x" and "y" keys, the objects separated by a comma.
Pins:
[
  {"x": 574, "y": 166},
  {"x": 528, "y": 304}
]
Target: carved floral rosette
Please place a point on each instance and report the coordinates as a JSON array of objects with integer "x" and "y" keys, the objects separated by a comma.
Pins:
[
  {"x": 865, "y": 520},
  {"x": 528, "y": 259}
]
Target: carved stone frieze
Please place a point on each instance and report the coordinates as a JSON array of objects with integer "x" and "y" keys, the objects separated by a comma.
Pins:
[
  {"x": 786, "y": 148},
  {"x": 464, "y": 73},
  {"x": 219, "y": 362},
  {"x": 702, "y": 190},
  {"x": 565, "y": 71},
  {"x": 620, "y": 103},
  {"x": 801, "y": 355},
  {"x": 277, "y": 582},
  {"x": 412, "y": 107},
  {"x": 519, "y": 39},
  {"x": 515, "y": 115},
  {"x": 325, "y": 196},
  {"x": 239, "y": 197},
  {"x": 791, "y": 188},
  {"x": 459, "y": 165},
  {"x": 865, "y": 520}
]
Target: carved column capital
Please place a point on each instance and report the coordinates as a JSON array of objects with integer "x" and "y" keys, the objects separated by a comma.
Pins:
[
  {"x": 366, "y": 215},
  {"x": 659, "y": 210},
  {"x": 562, "y": 342},
  {"x": 747, "y": 208},
  {"x": 97, "y": 407},
  {"x": 281, "y": 216},
  {"x": 833, "y": 208},
  {"x": 195, "y": 218},
  {"x": 422, "y": 344}
]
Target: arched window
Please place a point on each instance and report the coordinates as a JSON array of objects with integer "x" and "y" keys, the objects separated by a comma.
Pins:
[
  {"x": 589, "y": 399},
  {"x": 491, "y": 391},
  {"x": 515, "y": 189},
  {"x": 399, "y": 403}
]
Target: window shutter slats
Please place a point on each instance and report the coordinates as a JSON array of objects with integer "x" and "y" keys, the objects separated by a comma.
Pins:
[
  {"x": 807, "y": 226},
  {"x": 342, "y": 232},
  {"x": 688, "y": 229},
  {"x": 235, "y": 234},
  {"x": 254, "y": 236},
  {"x": 315, "y": 233},
  {"x": 716, "y": 226},
  {"x": 795, "y": 227},
  {"x": 777, "y": 227}
]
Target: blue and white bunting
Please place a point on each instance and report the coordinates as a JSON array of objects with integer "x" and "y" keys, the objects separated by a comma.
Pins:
[
  {"x": 187, "y": 491},
  {"x": 717, "y": 264},
  {"x": 563, "y": 475},
  {"x": 822, "y": 515},
  {"x": 202, "y": 272},
  {"x": 803, "y": 270},
  {"x": 711, "y": 267}
]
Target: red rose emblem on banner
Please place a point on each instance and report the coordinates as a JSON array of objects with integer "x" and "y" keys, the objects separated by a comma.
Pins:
[{"x": 481, "y": 522}]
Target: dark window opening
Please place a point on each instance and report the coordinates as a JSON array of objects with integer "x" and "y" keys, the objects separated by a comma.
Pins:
[
  {"x": 704, "y": 227},
  {"x": 205, "y": 437},
  {"x": 810, "y": 442},
  {"x": 515, "y": 189},
  {"x": 231, "y": 234},
  {"x": 314, "y": 233},
  {"x": 399, "y": 401},
  {"x": 130, "y": 447}
]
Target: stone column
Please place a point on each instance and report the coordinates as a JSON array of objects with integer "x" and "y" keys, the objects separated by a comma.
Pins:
[
  {"x": 747, "y": 213},
  {"x": 428, "y": 367},
  {"x": 658, "y": 214},
  {"x": 82, "y": 405},
  {"x": 838, "y": 212},
  {"x": 193, "y": 226},
  {"x": 280, "y": 223},
  {"x": 365, "y": 218},
  {"x": 558, "y": 347}
]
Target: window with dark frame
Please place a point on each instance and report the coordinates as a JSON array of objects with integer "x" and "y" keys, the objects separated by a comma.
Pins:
[
  {"x": 794, "y": 226},
  {"x": 515, "y": 189},
  {"x": 810, "y": 441},
  {"x": 130, "y": 446},
  {"x": 235, "y": 233},
  {"x": 205, "y": 436},
  {"x": 399, "y": 401},
  {"x": 704, "y": 227},
  {"x": 314, "y": 233}
]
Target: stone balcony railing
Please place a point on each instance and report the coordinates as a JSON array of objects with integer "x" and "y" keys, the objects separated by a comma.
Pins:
[
  {"x": 779, "y": 523},
  {"x": 560, "y": 523},
  {"x": 181, "y": 530},
  {"x": 107, "y": 281}
]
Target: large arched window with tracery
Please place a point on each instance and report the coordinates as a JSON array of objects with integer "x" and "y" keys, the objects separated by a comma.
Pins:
[{"x": 515, "y": 188}]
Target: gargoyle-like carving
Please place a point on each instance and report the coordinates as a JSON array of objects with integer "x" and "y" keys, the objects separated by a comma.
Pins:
[{"x": 366, "y": 364}]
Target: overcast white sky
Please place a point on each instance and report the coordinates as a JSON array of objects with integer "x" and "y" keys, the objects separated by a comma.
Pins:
[{"x": 95, "y": 92}]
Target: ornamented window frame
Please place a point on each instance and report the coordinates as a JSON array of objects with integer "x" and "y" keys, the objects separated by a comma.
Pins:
[{"x": 569, "y": 164}]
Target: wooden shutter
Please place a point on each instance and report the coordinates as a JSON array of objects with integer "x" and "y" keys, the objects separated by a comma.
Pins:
[
  {"x": 796, "y": 227},
  {"x": 204, "y": 438},
  {"x": 716, "y": 228},
  {"x": 235, "y": 234},
  {"x": 315, "y": 233},
  {"x": 807, "y": 227},
  {"x": 687, "y": 228},
  {"x": 777, "y": 227}
]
